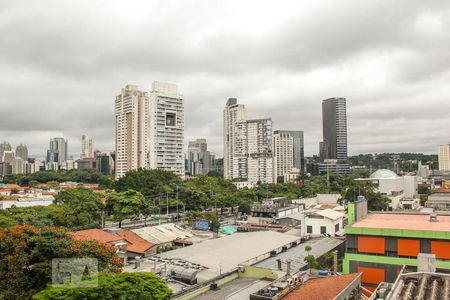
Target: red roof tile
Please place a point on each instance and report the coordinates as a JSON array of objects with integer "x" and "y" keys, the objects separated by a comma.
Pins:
[
  {"x": 137, "y": 244},
  {"x": 96, "y": 234},
  {"x": 322, "y": 288}
]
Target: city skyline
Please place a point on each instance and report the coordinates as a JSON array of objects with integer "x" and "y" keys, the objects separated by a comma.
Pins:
[{"x": 212, "y": 63}]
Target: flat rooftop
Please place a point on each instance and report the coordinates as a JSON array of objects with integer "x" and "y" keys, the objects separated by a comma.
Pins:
[
  {"x": 226, "y": 253},
  {"x": 297, "y": 255},
  {"x": 404, "y": 221}
]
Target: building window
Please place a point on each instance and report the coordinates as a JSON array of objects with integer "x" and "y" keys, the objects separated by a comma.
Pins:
[
  {"x": 336, "y": 227},
  {"x": 323, "y": 229},
  {"x": 309, "y": 229},
  {"x": 171, "y": 119}
]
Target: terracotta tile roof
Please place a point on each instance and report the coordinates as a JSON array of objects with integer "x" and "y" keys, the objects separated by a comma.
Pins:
[
  {"x": 322, "y": 288},
  {"x": 96, "y": 234},
  {"x": 14, "y": 186},
  {"x": 137, "y": 244}
]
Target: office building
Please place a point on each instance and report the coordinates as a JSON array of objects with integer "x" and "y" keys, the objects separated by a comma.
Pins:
[
  {"x": 86, "y": 147},
  {"x": 198, "y": 159},
  {"x": 57, "y": 152},
  {"x": 131, "y": 134},
  {"x": 22, "y": 152},
  {"x": 380, "y": 244},
  {"x": 288, "y": 154},
  {"x": 5, "y": 146},
  {"x": 105, "y": 163},
  {"x": 444, "y": 157},
  {"x": 166, "y": 128},
  {"x": 87, "y": 164},
  {"x": 232, "y": 113},
  {"x": 333, "y": 149},
  {"x": 334, "y": 119}
]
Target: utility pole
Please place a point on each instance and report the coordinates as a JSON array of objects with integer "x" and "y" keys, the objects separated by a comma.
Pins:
[
  {"x": 167, "y": 205},
  {"x": 177, "y": 205},
  {"x": 328, "y": 177},
  {"x": 159, "y": 209}
]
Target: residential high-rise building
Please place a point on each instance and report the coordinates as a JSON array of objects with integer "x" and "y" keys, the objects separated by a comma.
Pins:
[
  {"x": 5, "y": 169},
  {"x": 18, "y": 166},
  {"x": 166, "y": 128},
  {"x": 131, "y": 133},
  {"x": 444, "y": 157},
  {"x": 288, "y": 153},
  {"x": 198, "y": 159},
  {"x": 259, "y": 145},
  {"x": 5, "y": 146},
  {"x": 8, "y": 156},
  {"x": 86, "y": 147},
  {"x": 57, "y": 152},
  {"x": 252, "y": 150},
  {"x": 232, "y": 113},
  {"x": 149, "y": 129},
  {"x": 334, "y": 118},
  {"x": 22, "y": 152},
  {"x": 283, "y": 155}
]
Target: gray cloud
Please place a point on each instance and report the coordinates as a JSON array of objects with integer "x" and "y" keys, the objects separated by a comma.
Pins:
[{"x": 63, "y": 62}]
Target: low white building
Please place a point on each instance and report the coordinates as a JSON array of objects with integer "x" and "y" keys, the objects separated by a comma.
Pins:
[
  {"x": 27, "y": 202},
  {"x": 315, "y": 222},
  {"x": 319, "y": 199},
  {"x": 396, "y": 188},
  {"x": 244, "y": 184},
  {"x": 327, "y": 221}
]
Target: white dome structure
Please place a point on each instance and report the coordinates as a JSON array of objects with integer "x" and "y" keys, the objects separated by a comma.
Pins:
[{"x": 383, "y": 174}]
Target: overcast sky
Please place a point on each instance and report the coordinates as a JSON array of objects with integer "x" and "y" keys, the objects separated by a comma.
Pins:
[{"x": 63, "y": 62}]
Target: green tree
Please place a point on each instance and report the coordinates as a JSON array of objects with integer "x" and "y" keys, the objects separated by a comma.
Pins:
[
  {"x": 124, "y": 205},
  {"x": 312, "y": 261},
  {"x": 53, "y": 185},
  {"x": 245, "y": 208},
  {"x": 27, "y": 253},
  {"x": 308, "y": 249},
  {"x": 33, "y": 183},
  {"x": 149, "y": 182},
  {"x": 141, "y": 285},
  {"x": 83, "y": 208}
]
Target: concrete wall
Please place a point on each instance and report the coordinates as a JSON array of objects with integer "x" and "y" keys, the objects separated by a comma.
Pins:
[{"x": 255, "y": 272}]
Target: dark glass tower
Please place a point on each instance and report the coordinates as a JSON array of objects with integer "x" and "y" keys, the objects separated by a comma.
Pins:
[{"x": 334, "y": 118}]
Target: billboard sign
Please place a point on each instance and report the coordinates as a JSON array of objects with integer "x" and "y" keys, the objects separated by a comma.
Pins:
[{"x": 201, "y": 225}]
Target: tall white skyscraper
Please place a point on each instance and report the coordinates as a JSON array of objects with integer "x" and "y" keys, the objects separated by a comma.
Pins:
[
  {"x": 259, "y": 145},
  {"x": 149, "y": 129},
  {"x": 131, "y": 116},
  {"x": 444, "y": 157},
  {"x": 288, "y": 153},
  {"x": 283, "y": 154},
  {"x": 86, "y": 147},
  {"x": 247, "y": 145},
  {"x": 166, "y": 128},
  {"x": 232, "y": 113}
]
